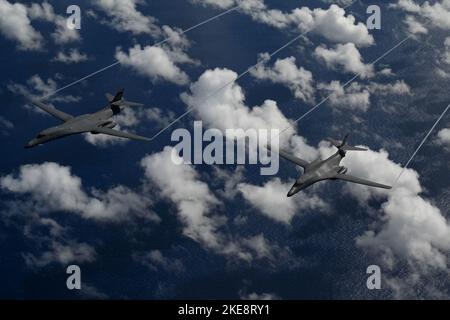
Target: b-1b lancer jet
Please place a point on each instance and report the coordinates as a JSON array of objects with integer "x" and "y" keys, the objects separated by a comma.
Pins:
[
  {"x": 328, "y": 169},
  {"x": 96, "y": 123}
]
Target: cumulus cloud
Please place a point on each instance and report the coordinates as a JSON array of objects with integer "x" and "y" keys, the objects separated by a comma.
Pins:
[
  {"x": 437, "y": 14},
  {"x": 36, "y": 88},
  {"x": 331, "y": 23},
  {"x": 226, "y": 109},
  {"x": 346, "y": 57},
  {"x": 399, "y": 87},
  {"x": 54, "y": 188},
  {"x": 155, "y": 63},
  {"x": 45, "y": 12},
  {"x": 285, "y": 72},
  {"x": 197, "y": 209},
  {"x": 258, "y": 296},
  {"x": 125, "y": 17},
  {"x": 62, "y": 253},
  {"x": 353, "y": 97},
  {"x": 73, "y": 56},
  {"x": 16, "y": 25},
  {"x": 414, "y": 26},
  {"x": 443, "y": 138},
  {"x": 223, "y": 4},
  {"x": 192, "y": 196},
  {"x": 155, "y": 260},
  {"x": 270, "y": 199},
  {"x": 356, "y": 96},
  {"x": 52, "y": 240},
  {"x": 5, "y": 126},
  {"x": 411, "y": 228},
  {"x": 446, "y": 56}
]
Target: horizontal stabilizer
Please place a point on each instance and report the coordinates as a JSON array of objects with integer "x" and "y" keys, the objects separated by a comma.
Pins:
[
  {"x": 118, "y": 100},
  {"x": 131, "y": 103},
  {"x": 342, "y": 145},
  {"x": 109, "y": 97},
  {"x": 352, "y": 148}
]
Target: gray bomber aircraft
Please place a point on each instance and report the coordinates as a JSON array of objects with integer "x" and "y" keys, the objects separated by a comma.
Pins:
[
  {"x": 96, "y": 123},
  {"x": 328, "y": 169}
]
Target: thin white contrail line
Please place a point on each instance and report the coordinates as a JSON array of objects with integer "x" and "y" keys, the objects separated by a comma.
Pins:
[
  {"x": 189, "y": 110},
  {"x": 137, "y": 53},
  {"x": 421, "y": 144},
  {"x": 345, "y": 84}
]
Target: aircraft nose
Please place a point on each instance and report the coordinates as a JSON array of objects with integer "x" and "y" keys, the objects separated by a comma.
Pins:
[
  {"x": 293, "y": 191},
  {"x": 30, "y": 144}
]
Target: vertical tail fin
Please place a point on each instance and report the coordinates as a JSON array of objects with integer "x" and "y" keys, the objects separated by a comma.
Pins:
[
  {"x": 118, "y": 96},
  {"x": 343, "y": 146},
  {"x": 115, "y": 101}
]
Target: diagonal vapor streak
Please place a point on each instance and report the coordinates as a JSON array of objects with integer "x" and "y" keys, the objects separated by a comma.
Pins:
[
  {"x": 137, "y": 53},
  {"x": 345, "y": 84},
  {"x": 206, "y": 98},
  {"x": 421, "y": 144}
]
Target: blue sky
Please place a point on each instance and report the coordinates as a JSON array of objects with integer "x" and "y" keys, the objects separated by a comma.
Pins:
[{"x": 141, "y": 227}]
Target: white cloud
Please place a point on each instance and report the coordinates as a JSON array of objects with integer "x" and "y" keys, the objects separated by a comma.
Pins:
[
  {"x": 126, "y": 17},
  {"x": 51, "y": 240},
  {"x": 36, "y": 88},
  {"x": 258, "y": 296},
  {"x": 16, "y": 25},
  {"x": 62, "y": 253},
  {"x": 73, "y": 56},
  {"x": 331, "y": 23},
  {"x": 353, "y": 97},
  {"x": 414, "y": 26},
  {"x": 155, "y": 63},
  {"x": 226, "y": 108},
  {"x": 399, "y": 87},
  {"x": 347, "y": 57},
  {"x": 271, "y": 200},
  {"x": 192, "y": 196},
  {"x": 285, "y": 71},
  {"x": 443, "y": 138},
  {"x": 223, "y": 4},
  {"x": 45, "y": 12},
  {"x": 197, "y": 209},
  {"x": 155, "y": 260},
  {"x": 5, "y": 126},
  {"x": 412, "y": 227},
  {"x": 54, "y": 188},
  {"x": 436, "y": 13},
  {"x": 356, "y": 96},
  {"x": 446, "y": 55}
]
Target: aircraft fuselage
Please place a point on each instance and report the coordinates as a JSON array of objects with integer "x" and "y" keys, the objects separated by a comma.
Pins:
[
  {"x": 317, "y": 171},
  {"x": 80, "y": 124}
]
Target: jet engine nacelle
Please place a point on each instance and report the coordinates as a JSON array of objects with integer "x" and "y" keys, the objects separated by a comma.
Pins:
[
  {"x": 342, "y": 170},
  {"x": 109, "y": 124}
]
